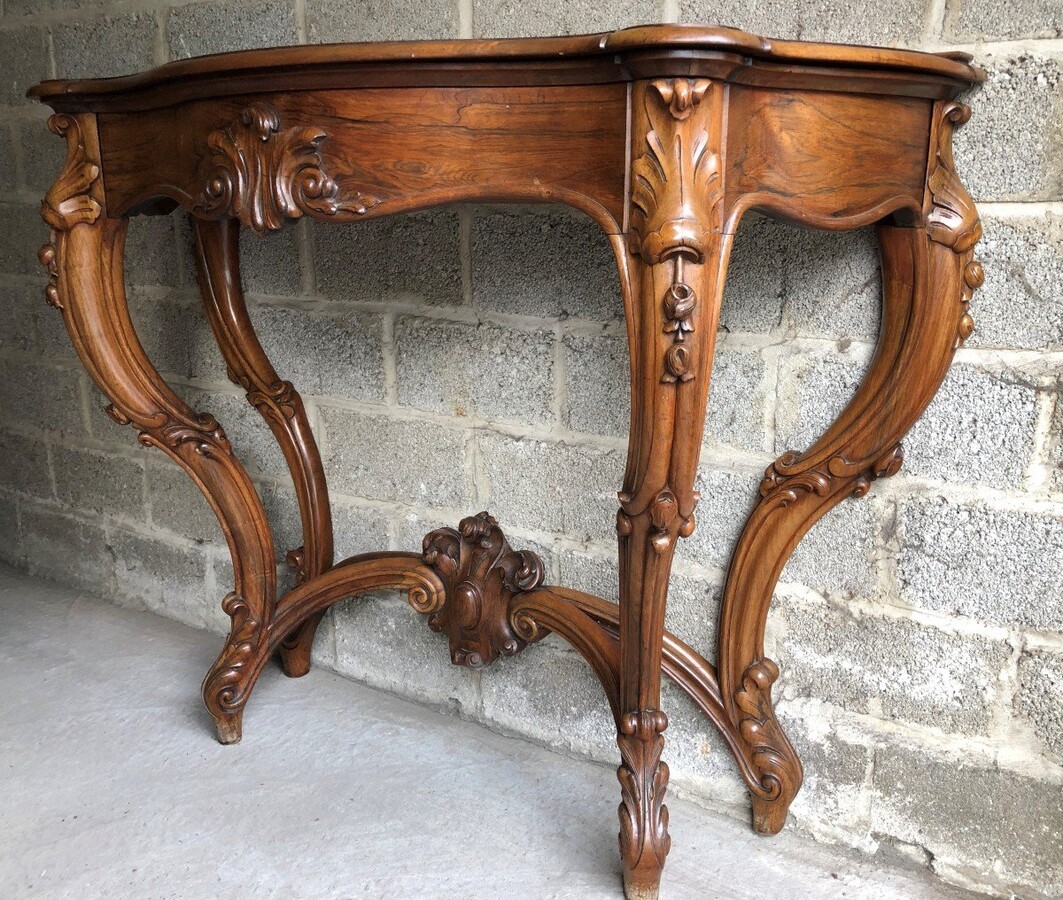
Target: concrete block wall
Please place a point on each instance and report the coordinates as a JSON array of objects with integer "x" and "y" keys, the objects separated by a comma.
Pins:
[{"x": 474, "y": 358}]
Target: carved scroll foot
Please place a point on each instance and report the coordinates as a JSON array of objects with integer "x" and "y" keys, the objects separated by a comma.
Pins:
[
  {"x": 230, "y": 680},
  {"x": 644, "y": 840}
]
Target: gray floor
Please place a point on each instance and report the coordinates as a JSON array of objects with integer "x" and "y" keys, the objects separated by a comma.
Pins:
[{"x": 114, "y": 787}]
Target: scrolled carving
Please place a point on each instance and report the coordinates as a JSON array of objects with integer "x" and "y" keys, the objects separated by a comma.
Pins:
[
  {"x": 783, "y": 482},
  {"x": 643, "y": 780},
  {"x": 262, "y": 175},
  {"x": 776, "y": 764},
  {"x": 69, "y": 201},
  {"x": 481, "y": 573},
  {"x": 226, "y": 685},
  {"x": 953, "y": 218}
]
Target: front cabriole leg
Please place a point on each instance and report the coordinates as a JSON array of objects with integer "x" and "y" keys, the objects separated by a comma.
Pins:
[
  {"x": 672, "y": 271},
  {"x": 928, "y": 276},
  {"x": 84, "y": 260}
]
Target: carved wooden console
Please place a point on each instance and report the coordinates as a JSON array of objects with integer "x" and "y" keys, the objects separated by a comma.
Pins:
[{"x": 664, "y": 136}]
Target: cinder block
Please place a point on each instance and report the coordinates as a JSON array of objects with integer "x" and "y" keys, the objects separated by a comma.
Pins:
[
  {"x": 43, "y": 153},
  {"x": 151, "y": 252},
  {"x": 177, "y": 505},
  {"x": 1001, "y": 566},
  {"x": 336, "y": 353},
  {"x": 10, "y": 537},
  {"x": 22, "y": 232},
  {"x": 357, "y": 529},
  {"x": 40, "y": 397},
  {"x": 25, "y": 54},
  {"x": 1021, "y": 303},
  {"x": 597, "y": 384},
  {"x": 551, "y": 264},
  {"x": 218, "y": 27},
  {"x": 833, "y": 282},
  {"x": 1054, "y": 451},
  {"x": 693, "y": 603},
  {"x": 978, "y": 428},
  {"x": 170, "y": 579},
  {"x": 839, "y": 554},
  {"x": 814, "y": 387},
  {"x": 1022, "y": 96},
  {"x": 834, "y": 797},
  {"x": 887, "y": 25},
  {"x": 158, "y": 319},
  {"x": 509, "y": 18},
  {"x": 99, "y": 483},
  {"x": 482, "y": 370},
  {"x": 738, "y": 395},
  {"x": 21, "y": 307},
  {"x": 1003, "y": 20},
  {"x": 25, "y": 468},
  {"x": 893, "y": 668},
  {"x": 105, "y": 47},
  {"x": 270, "y": 263},
  {"x": 328, "y": 21},
  {"x": 70, "y": 551},
  {"x": 558, "y": 488},
  {"x": 727, "y": 498},
  {"x": 359, "y": 262},
  {"x": 753, "y": 295},
  {"x": 1040, "y": 698},
  {"x": 394, "y": 459},
  {"x": 549, "y": 694},
  {"x": 960, "y": 812},
  {"x": 382, "y": 642},
  {"x": 8, "y": 169}
]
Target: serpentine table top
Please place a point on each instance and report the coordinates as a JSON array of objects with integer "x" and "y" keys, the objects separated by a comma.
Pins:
[{"x": 665, "y": 135}]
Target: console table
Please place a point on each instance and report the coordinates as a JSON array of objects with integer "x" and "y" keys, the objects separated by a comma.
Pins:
[{"x": 665, "y": 136}]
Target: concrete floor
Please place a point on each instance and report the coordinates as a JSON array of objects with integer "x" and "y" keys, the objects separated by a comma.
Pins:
[{"x": 114, "y": 787}]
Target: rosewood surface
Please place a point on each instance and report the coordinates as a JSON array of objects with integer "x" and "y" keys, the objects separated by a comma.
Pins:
[{"x": 665, "y": 136}]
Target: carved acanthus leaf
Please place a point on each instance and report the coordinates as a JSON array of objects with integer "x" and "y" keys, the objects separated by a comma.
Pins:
[
  {"x": 677, "y": 189},
  {"x": 262, "y": 175},
  {"x": 777, "y": 767},
  {"x": 69, "y": 201},
  {"x": 226, "y": 686},
  {"x": 643, "y": 780},
  {"x": 481, "y": 574},
  {"x": 953, "y": 218},
  {"x": 783, "y": 484}
]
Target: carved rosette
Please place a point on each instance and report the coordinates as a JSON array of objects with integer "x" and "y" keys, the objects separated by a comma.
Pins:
[
  {"x": 481, "y": 574},
  {"x": 675, "y": 195},
  {"x": 644, "y": 840},
  {"x": 262, "y": 174},
  {"x": 777, "y": 766},
  {"x": 953, "y": 218},
  {"x": 69, "y": 201}
]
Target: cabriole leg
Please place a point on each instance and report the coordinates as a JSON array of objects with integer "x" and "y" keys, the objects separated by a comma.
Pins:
[
  {"x": 84, "y": 259},
  {"x": 672, "y": 279},
  {"x": 217, "y": 245},
  {"x": 928, "y": 275}
]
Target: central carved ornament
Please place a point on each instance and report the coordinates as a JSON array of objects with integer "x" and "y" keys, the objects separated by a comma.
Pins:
[
  {"x": 675, "y": 192},
  {"x": 262, "y": 175},
  {"x": 481, "y": 574}
]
